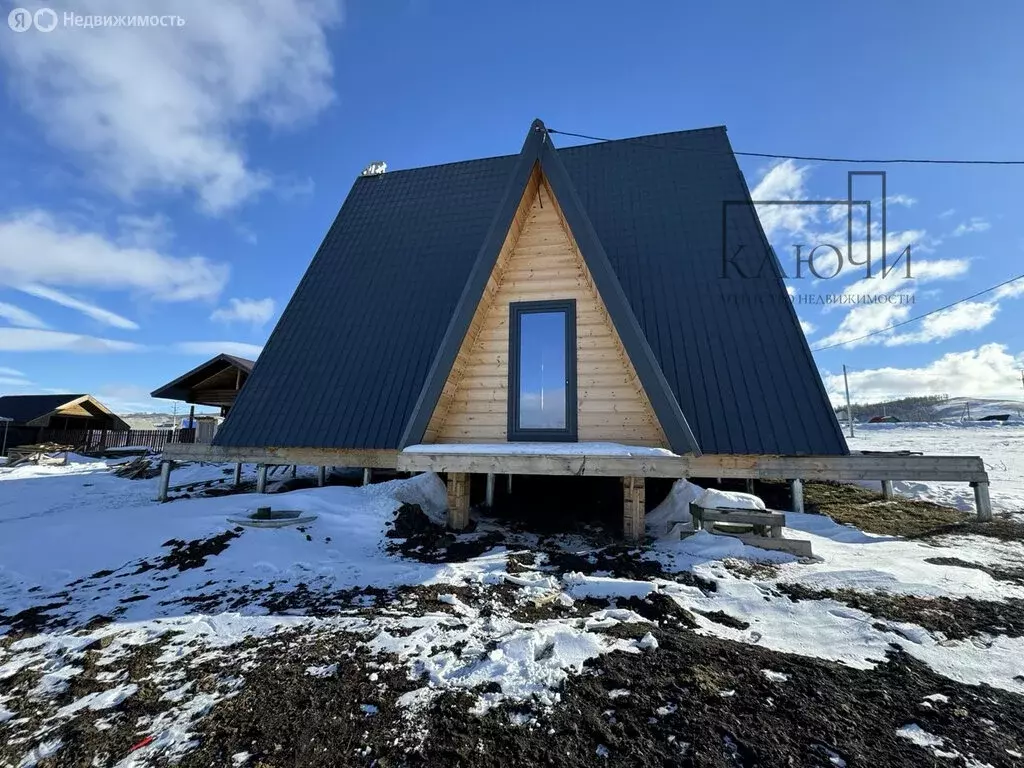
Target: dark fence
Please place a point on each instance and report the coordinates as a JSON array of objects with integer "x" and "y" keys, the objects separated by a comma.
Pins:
[{"x": 96, "y": 439}]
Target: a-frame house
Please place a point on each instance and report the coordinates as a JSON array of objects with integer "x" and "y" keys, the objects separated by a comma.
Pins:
[{"x": 537, "y": 312}]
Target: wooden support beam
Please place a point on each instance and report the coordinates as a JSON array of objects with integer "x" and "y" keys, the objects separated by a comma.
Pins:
[
  {"x": 982, "y": 502},
  {"x": 508, "y": 484},
  {"x": 261, "y": 478},
  {"x": 312, "y": 457},
  {"x": 796, "y": 488},
  {"x": 887, "y": 489},
  {"x": 238, "y": 474},
  {"x": 853, "y": 468},
  {"x": 458, "y": 500},
  {"x": 367, "y": 475},
  {"x": 165, "y": 480},
  {"x": 749, "y": 485},
  {"x": 321, "y": 476},
  {"x": 489, "y": 497},
  {"x": 634, "y": 508}
]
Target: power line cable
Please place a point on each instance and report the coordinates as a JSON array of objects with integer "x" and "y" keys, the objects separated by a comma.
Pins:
[
  {"x": 919, "y": 317},
  {"x": 812, "y": 158}
]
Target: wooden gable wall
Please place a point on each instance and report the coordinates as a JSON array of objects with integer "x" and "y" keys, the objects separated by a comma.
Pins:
[{"x": 538, "y": 261}]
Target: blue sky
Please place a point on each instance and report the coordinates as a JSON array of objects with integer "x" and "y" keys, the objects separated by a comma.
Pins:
[{"x": 162, "y": 190}]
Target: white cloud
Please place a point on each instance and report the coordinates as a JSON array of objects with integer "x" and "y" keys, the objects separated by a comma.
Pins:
[
  {"x": 255, "y": 311},
  {"x": 988, "y": 371},
  {"x": 37, "y": 249},
  {"x": 808, "y": 328},
  {"x": 145, "y": 231},
  {"x": 211, "y": 348},
  {"x": 784, "y": 181},
  {"x": 906, "y": 200},
  {"x": 99, "y": 314},
  {"x": 10, "y": 377},
  {"x": 975, "y": 224},
  {"x": 869, "y": 318},
  {"x": 947, "y": 213},
  {"x": 33, "y": 340},
  {"x": 162, "y": 108},
  {"x": 969, "y": 316},
  {"x": 1010, "y": 290},
  {"x": 21, "y": 317}
]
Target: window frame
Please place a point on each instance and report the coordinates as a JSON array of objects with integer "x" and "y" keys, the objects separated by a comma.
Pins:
[{"x": 516, "y": 311}]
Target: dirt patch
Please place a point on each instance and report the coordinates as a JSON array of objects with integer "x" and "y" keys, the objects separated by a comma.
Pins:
[
  {"x": 867, "y": 510},
  {"x": 957, "y": 619},
  {"x": 701, "y": 701},
  {"x": 751, "y": 569},
  {"x": 186, "y": 555},
  {"x": 1002, "y": 527},
  {"x": 416, "y": 536},
  {"x": 999, "y": 573},
  {"x": 31, "y": 620},
  {"x": 284, "y": 716}
]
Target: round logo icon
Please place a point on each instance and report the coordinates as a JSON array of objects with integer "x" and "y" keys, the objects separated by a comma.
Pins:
[
  {"x": 20, "y": 20},
  {"x": 45, "y": 19}
]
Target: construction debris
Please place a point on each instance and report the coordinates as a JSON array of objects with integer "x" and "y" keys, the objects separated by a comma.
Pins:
[
  {"x": 142, "y": 468},
  {"x": 40, "y": 453}
]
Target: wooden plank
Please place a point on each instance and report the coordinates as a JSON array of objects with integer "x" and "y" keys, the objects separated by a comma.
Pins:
[
  {"x": 313, "y": 457},
  {"x": 839, "y": 468},
  {"x": 519, "y": 464},
  {"x": 634, "y": 508},
  {"x": 458, "y": 501}
]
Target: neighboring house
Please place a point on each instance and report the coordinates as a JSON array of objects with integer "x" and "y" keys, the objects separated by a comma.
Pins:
[
  {"x": 216, "y": 383},
  {"x": 34, "y": 417},
  {"x": 619, "y": 292}
]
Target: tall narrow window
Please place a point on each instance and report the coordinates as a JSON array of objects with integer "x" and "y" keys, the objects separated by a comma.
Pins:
[{"x": 542, "y": 370}]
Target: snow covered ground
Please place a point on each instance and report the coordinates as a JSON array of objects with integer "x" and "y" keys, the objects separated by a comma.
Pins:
[
  {"x": 93, "y": 572},
  {"x": 1000, "y": 445}
]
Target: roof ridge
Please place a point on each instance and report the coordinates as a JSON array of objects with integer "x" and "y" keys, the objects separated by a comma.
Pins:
[
  {"x": 440, "y": 165},
  {"x": 557, "y": 149}
]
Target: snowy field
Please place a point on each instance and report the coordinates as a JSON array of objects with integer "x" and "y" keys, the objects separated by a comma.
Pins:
[
  {"x": 1000, "y": 445},
  {"x": 133, "y": 629}
]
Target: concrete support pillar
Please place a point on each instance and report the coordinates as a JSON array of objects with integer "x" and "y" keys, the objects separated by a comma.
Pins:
[
  {"x": 367, "y": 475},
  {"x": 887, "y": 489},
  {"x": 634, "y": 508},
  {"x": 321, "y": 476},
  {"x": 261, "y": 478},
  {"x": 489, "y": 498},
  {"x": 458, "y": 500},
  {"x": 796, "y": 488},
  {"x": 165, "y": 480},
  {"x": 238, "y": 474},
  {"x": 295, "y": 469},
  {"x": 749, "y": 484},
  {"x": 982, "y": 502}
]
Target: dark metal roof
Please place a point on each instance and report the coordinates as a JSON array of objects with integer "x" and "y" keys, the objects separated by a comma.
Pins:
[
  {"x": 181, "y": 387},
  {"x": 357, "y": 353},
  {"x": 24, "y": 408}
]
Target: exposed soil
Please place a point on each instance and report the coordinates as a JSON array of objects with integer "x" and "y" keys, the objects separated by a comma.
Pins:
[
  {"x": 695, "y": 701},
  {"x": 186, "y": 555},
  {"x": 1002, "y": 527},
  {"x": 956, "y": 618},
  {"x": 1000, "y": 573},
  {"x": 865, "y": 508},
  {"x": 416, "y": 536}
]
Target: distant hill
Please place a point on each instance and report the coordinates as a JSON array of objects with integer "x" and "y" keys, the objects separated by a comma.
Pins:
[
  {"x": 936, "y": 408},
  {"x": 158, "y": 420}
]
